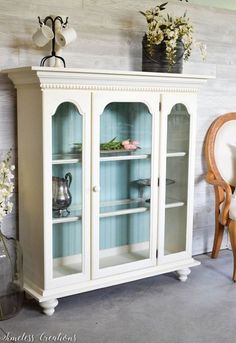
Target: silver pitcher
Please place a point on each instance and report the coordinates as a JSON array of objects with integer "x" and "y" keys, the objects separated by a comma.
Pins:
[{"x": 61, "y": 196}]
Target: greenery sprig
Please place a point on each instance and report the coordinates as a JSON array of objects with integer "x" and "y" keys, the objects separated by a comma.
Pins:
[{"x": 113, "y": 144}]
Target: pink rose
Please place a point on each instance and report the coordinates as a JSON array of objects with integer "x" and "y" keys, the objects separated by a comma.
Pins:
[
  {"x": 125, "y": 142},
  {"x": 130, "y": 147},
  {"x": 135, "y": 143}
]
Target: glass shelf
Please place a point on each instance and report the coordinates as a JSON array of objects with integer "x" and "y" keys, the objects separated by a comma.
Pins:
[
  {"x": 170, "y": 203},
  {"x": 121, "y": 155},
  {"x": 66, "y": 158},
  {"x": 73, "y": 216},
  {"x": 176, "y": 154},
  {"x": 147, "y": 182},
  {"x": 118, "y": 208}
]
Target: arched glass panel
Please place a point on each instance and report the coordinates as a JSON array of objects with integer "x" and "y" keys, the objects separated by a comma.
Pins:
[
  {"x": 176, "y": 179},
  {"x": 125, "y": 178},
  {"x": 67, "y": 190},
  {"x": 66, "y": 130}
]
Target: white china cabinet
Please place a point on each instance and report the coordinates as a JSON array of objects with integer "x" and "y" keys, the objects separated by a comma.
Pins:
[{"x": 131, "y": 209}]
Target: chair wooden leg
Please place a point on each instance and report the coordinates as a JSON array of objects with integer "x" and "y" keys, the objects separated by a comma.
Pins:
[
  {"x": 219, "y": 232},
  {"x": 232, "y": 235}
]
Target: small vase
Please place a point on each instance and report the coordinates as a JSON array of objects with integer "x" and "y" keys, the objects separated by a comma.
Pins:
[
  {"x": 157, "y": 62},
  {"x": 11, "y": 277}
]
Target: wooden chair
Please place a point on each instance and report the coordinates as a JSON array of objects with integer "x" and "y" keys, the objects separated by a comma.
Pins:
[{"x": 220, "y": 154}]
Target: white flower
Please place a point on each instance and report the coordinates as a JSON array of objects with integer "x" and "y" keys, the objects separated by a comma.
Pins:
[
  {"x": 9, "y": 207},
  {"x": 2, "y": 213},
  {"x": 6, "y": 186},
  {"x": 170, "y": 33}
]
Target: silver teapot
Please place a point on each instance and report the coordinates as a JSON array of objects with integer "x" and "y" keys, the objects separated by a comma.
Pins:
[{"x": 61, "y": 196}]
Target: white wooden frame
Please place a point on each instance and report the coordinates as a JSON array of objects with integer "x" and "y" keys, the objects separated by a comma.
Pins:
[
  {"x": 51, "y": 100},
  {"x": 168, "y": 101},
  {"x": 99, "y": 101}
]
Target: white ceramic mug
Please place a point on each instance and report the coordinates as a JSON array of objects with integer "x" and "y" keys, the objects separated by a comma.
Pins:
[
  {"x": 66, "y": 36},
  {"x": 43, "y": 35}
]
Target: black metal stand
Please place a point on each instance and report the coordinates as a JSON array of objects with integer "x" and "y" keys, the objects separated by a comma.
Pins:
[{"x": 53, "y": 21}]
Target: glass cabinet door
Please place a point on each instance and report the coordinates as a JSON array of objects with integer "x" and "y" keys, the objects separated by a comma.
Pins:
[
  {"x": 124, "y": 238},
  {"x": 176, "y": 188},
  {"x": 68, "y": 192}
]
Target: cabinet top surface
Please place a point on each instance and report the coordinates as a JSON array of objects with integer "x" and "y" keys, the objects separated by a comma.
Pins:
[
  {"x": 105, "y": 72},
  {"x": 92, "y": 79}
]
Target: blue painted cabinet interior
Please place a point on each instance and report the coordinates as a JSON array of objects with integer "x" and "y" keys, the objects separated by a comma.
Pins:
[
  {"x": 66, "y": 129},
  {"x": 67, "y": 126},
  {"x": 119, "y": 178}
]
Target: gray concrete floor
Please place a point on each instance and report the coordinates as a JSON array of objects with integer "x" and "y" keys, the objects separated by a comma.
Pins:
[{"x": 155, "y": 310}]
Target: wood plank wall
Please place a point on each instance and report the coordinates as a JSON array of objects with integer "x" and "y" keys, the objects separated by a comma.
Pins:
[{"x": 109, "y": 37}]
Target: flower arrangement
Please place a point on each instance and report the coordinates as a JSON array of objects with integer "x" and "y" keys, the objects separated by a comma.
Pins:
[
  {"x": 114, "y": 144},
  {"x": 169, "y": 30},
  {"x": 6, "y": 186}
]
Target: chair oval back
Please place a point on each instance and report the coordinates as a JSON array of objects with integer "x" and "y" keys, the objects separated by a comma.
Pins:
[{"x": 220, "y": 148}]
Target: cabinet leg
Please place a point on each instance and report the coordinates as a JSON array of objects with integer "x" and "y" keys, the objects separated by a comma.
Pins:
[
  {"x": 183, "y": 274},
  {"x": 49, "y": 306}
]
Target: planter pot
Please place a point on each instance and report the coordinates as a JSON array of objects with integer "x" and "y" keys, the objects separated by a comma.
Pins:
[{"x": 157, "y": 62}]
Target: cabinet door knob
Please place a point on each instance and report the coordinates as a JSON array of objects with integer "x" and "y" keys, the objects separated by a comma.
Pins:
[{"x": 96, "y": 189}]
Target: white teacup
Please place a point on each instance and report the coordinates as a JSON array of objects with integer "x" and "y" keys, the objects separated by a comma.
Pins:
[
  {"x": 66, "y": 36},
  {"x": 43, "y": 35}
]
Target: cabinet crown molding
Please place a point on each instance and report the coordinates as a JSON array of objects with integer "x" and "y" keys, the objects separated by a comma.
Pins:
[{"x": 87, "y": 79}]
